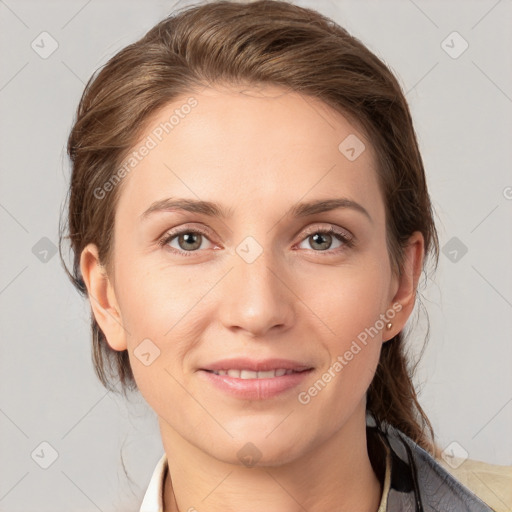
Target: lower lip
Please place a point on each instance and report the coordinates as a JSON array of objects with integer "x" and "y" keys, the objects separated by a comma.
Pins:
[{"x": 255, "y": 389}]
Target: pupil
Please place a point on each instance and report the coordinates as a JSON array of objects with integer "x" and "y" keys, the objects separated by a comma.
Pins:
[
  {"x": 189, "y": 239},
  {"x": 320, "y": 236}
]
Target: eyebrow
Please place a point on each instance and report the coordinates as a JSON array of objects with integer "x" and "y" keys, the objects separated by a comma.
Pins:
[{"x": 213, "y": 209}]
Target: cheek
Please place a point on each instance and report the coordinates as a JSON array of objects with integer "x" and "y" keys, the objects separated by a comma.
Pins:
[
  {"x": 161, "y": 329},
  {"x": 155, "y": 301},
  {"x": 350, "y": 308},
  {"x": 348, "y": 300},
  {"x": 340, "y": 386},
  {"x": 163, "y": 312}
]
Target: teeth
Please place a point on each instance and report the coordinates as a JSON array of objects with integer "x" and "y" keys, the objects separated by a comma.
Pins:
[
  {"x": 267, "y": 375},
  {"x": 249, "y": 374}
]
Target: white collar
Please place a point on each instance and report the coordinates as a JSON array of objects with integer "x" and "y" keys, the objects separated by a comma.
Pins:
[{"x": 153, "y": 499}]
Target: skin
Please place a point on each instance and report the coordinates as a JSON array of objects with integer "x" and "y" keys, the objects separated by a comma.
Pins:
[{"x": 257, "y": 151}]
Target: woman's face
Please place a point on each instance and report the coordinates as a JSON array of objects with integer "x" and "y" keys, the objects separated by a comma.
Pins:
[{"x": 255, "y": 277}]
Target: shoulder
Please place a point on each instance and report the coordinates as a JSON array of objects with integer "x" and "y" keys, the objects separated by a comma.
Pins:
[
  {"x": 419, "y": 477},
  {"x": 492, "y": 483}
]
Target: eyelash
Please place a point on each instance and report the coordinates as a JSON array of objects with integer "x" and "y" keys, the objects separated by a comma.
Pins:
[{"x": 340, "y": 235}]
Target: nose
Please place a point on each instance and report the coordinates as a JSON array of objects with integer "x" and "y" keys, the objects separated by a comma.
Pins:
[{"x": 256, "y": 298}]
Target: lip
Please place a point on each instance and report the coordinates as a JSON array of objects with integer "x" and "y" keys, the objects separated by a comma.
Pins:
[
  {"x": 255, "y": 389},
  {"x": 244, "y": 363}
]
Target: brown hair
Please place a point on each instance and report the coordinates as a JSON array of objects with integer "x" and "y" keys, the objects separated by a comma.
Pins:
[{"x": 262, "y": 42}]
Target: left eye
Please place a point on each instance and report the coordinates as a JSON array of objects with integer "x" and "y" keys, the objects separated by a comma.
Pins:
[{"x": 323, "y": 237}]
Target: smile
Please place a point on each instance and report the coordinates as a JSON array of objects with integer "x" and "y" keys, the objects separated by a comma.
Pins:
[
  {"x": 249, "y": 374},
  {"x": 254, "y": 385}
]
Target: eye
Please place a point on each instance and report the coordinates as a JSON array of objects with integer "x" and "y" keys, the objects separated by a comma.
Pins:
[
  {"x": 322, "y": 239},
  {"x": 187, "y": 240}
]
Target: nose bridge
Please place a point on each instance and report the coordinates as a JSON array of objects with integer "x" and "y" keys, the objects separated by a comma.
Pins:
[
  {"x": 255, "y": 297},
  {"x": 255, "y": 274}
]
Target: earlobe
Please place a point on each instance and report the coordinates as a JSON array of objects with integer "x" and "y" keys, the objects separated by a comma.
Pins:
[
  {"x": 405, "y": 295},
  {"x": 102, "y": 298}
]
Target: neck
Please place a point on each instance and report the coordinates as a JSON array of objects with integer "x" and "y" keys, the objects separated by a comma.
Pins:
[{"x": 336, "y": 474}]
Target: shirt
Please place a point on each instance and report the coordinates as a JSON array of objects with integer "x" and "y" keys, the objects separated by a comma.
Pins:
[{"x": 154, "y": 498}]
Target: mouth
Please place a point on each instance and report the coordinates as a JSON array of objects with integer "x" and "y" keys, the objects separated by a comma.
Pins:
[
  {"x": 249, "y": 374},
  {"x": 255, "y": 380}
]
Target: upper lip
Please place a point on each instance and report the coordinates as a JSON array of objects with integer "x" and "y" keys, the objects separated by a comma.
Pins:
[{"x": 255, "y": 365}]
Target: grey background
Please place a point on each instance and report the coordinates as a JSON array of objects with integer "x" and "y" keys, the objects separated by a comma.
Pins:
[{"x": 48, "y": 392}]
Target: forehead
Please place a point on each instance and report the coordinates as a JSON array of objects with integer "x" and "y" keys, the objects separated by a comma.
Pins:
[{"x": 249, "y": 145}]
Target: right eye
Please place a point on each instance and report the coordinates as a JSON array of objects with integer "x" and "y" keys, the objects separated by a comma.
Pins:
[{"x": 188, "y": 241}]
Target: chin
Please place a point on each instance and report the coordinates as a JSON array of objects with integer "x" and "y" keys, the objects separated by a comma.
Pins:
[{"x": 258, "y": 448}]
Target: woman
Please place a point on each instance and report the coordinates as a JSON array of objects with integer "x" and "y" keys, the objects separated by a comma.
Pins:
[{"x": 249, "y": 219}]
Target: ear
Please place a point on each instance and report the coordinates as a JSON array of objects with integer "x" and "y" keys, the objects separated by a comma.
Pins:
[
  {"x": 102, "y": 298},
  {"x": 406, "y": 284}
]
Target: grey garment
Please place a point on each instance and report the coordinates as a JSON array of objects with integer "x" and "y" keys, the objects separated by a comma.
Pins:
[{"x": 418, "y": 482}]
